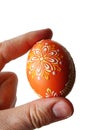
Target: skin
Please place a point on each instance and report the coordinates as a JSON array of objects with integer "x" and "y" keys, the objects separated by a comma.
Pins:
[{"x": 36, "y": 113}]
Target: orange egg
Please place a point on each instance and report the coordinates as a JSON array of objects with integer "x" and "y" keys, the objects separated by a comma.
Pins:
[{"x": 50, "y": 69}]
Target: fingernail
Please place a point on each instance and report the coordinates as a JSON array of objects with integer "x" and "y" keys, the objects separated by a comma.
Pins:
[{"x": 62, "y": 110}]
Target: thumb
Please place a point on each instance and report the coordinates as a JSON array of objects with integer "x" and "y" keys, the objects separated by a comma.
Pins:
[{"x": 38, "y": 113}]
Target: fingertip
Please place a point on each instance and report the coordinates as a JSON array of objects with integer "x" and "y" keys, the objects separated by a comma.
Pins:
[
  {"x": 49, "y": 33},
  {"x": 63, "y": 109},
  {"x": 42, "y": 34}
]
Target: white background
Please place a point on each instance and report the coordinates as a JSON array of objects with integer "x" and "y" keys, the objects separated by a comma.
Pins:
[{"x": 68, "y": 20}]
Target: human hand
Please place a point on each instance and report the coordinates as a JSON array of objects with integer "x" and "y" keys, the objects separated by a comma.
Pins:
[{"x": 34, "y": 114}]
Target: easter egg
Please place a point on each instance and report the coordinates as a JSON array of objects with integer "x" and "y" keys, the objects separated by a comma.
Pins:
[{"x": 50, "y": 69}]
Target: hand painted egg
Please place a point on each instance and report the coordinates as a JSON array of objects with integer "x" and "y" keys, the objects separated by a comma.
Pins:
[{"x": 50, "y": 69}]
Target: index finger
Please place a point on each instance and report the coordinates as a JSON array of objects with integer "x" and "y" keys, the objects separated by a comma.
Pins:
[{"x": 16, "y": 47}]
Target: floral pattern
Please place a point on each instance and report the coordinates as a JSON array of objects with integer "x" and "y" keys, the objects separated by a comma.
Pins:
[
  {"x": 50, "y": 93},
  {"x": 44, "y": 59}
]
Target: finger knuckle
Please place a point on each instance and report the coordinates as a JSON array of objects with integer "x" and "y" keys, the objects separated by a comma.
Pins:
[{"x": 37, "y": 117}]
